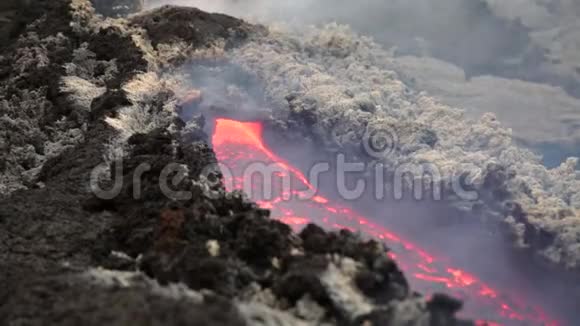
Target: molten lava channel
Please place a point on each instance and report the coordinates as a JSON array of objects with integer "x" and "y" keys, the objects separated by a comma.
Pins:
[{"x": 238, "y": 145}]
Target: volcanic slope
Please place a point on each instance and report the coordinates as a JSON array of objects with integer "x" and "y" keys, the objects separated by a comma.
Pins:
[{"x": 81, "y": 94}]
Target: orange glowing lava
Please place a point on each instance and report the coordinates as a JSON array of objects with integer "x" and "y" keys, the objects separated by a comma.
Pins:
[{"x": 238, "y": 145}]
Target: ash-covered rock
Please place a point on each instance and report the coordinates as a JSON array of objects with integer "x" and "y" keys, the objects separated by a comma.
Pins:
[
  {"x": 84, "y": 105},
  {"x": 99, "y": 297},
  {"x": 49, "y": 78},
  {"x": 337, "y": 87}
]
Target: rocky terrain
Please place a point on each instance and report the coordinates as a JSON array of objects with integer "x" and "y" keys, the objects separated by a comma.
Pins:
[
  {"x": 337, "y": 85},
  {"x": 85, "y": 100},
  {"x": 78, "y": 92}
]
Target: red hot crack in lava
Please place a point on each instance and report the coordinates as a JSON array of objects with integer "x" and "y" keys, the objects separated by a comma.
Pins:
[{"x": 239, "y": 144}]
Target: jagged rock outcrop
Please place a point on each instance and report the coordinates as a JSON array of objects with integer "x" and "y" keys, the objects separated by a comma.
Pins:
[{"x": 169, "y": 24}]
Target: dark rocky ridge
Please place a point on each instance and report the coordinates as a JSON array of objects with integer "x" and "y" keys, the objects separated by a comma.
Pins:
[
  {"x": 61, "y": 79},
  {"x": 168, "y": 24}
]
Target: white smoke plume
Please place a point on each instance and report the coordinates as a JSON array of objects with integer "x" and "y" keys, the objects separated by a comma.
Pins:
[{"x": 517, "y": 47}]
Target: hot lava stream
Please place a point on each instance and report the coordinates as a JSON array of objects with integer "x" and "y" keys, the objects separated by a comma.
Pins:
[{"x": 244, "y": 157}]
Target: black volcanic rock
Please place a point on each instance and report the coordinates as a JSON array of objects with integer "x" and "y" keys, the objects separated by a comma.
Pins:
[
  {"x": 98, "y": 298},
  {"x": 113, "y": 43},
  {"x": 169, "y": 24}
]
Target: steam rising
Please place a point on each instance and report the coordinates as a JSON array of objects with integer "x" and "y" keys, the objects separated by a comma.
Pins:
[
  {"x": 465, "y": 53},
  {"x": 465, "y": 32}
]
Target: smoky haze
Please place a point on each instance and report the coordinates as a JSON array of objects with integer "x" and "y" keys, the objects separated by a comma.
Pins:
[
  {"x": 471, "y": 54},
  {"x": 466, "y": 33}
]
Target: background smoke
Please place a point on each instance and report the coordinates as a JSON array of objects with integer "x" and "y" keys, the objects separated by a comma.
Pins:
[
  {"x": 482, "y": 56},
  {"x": 465, "y": 32},
  {"x": 480, "y": 36}
]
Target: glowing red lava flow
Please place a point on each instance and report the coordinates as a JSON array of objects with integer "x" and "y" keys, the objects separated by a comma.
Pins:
[{"x": 240, "y": 148}]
